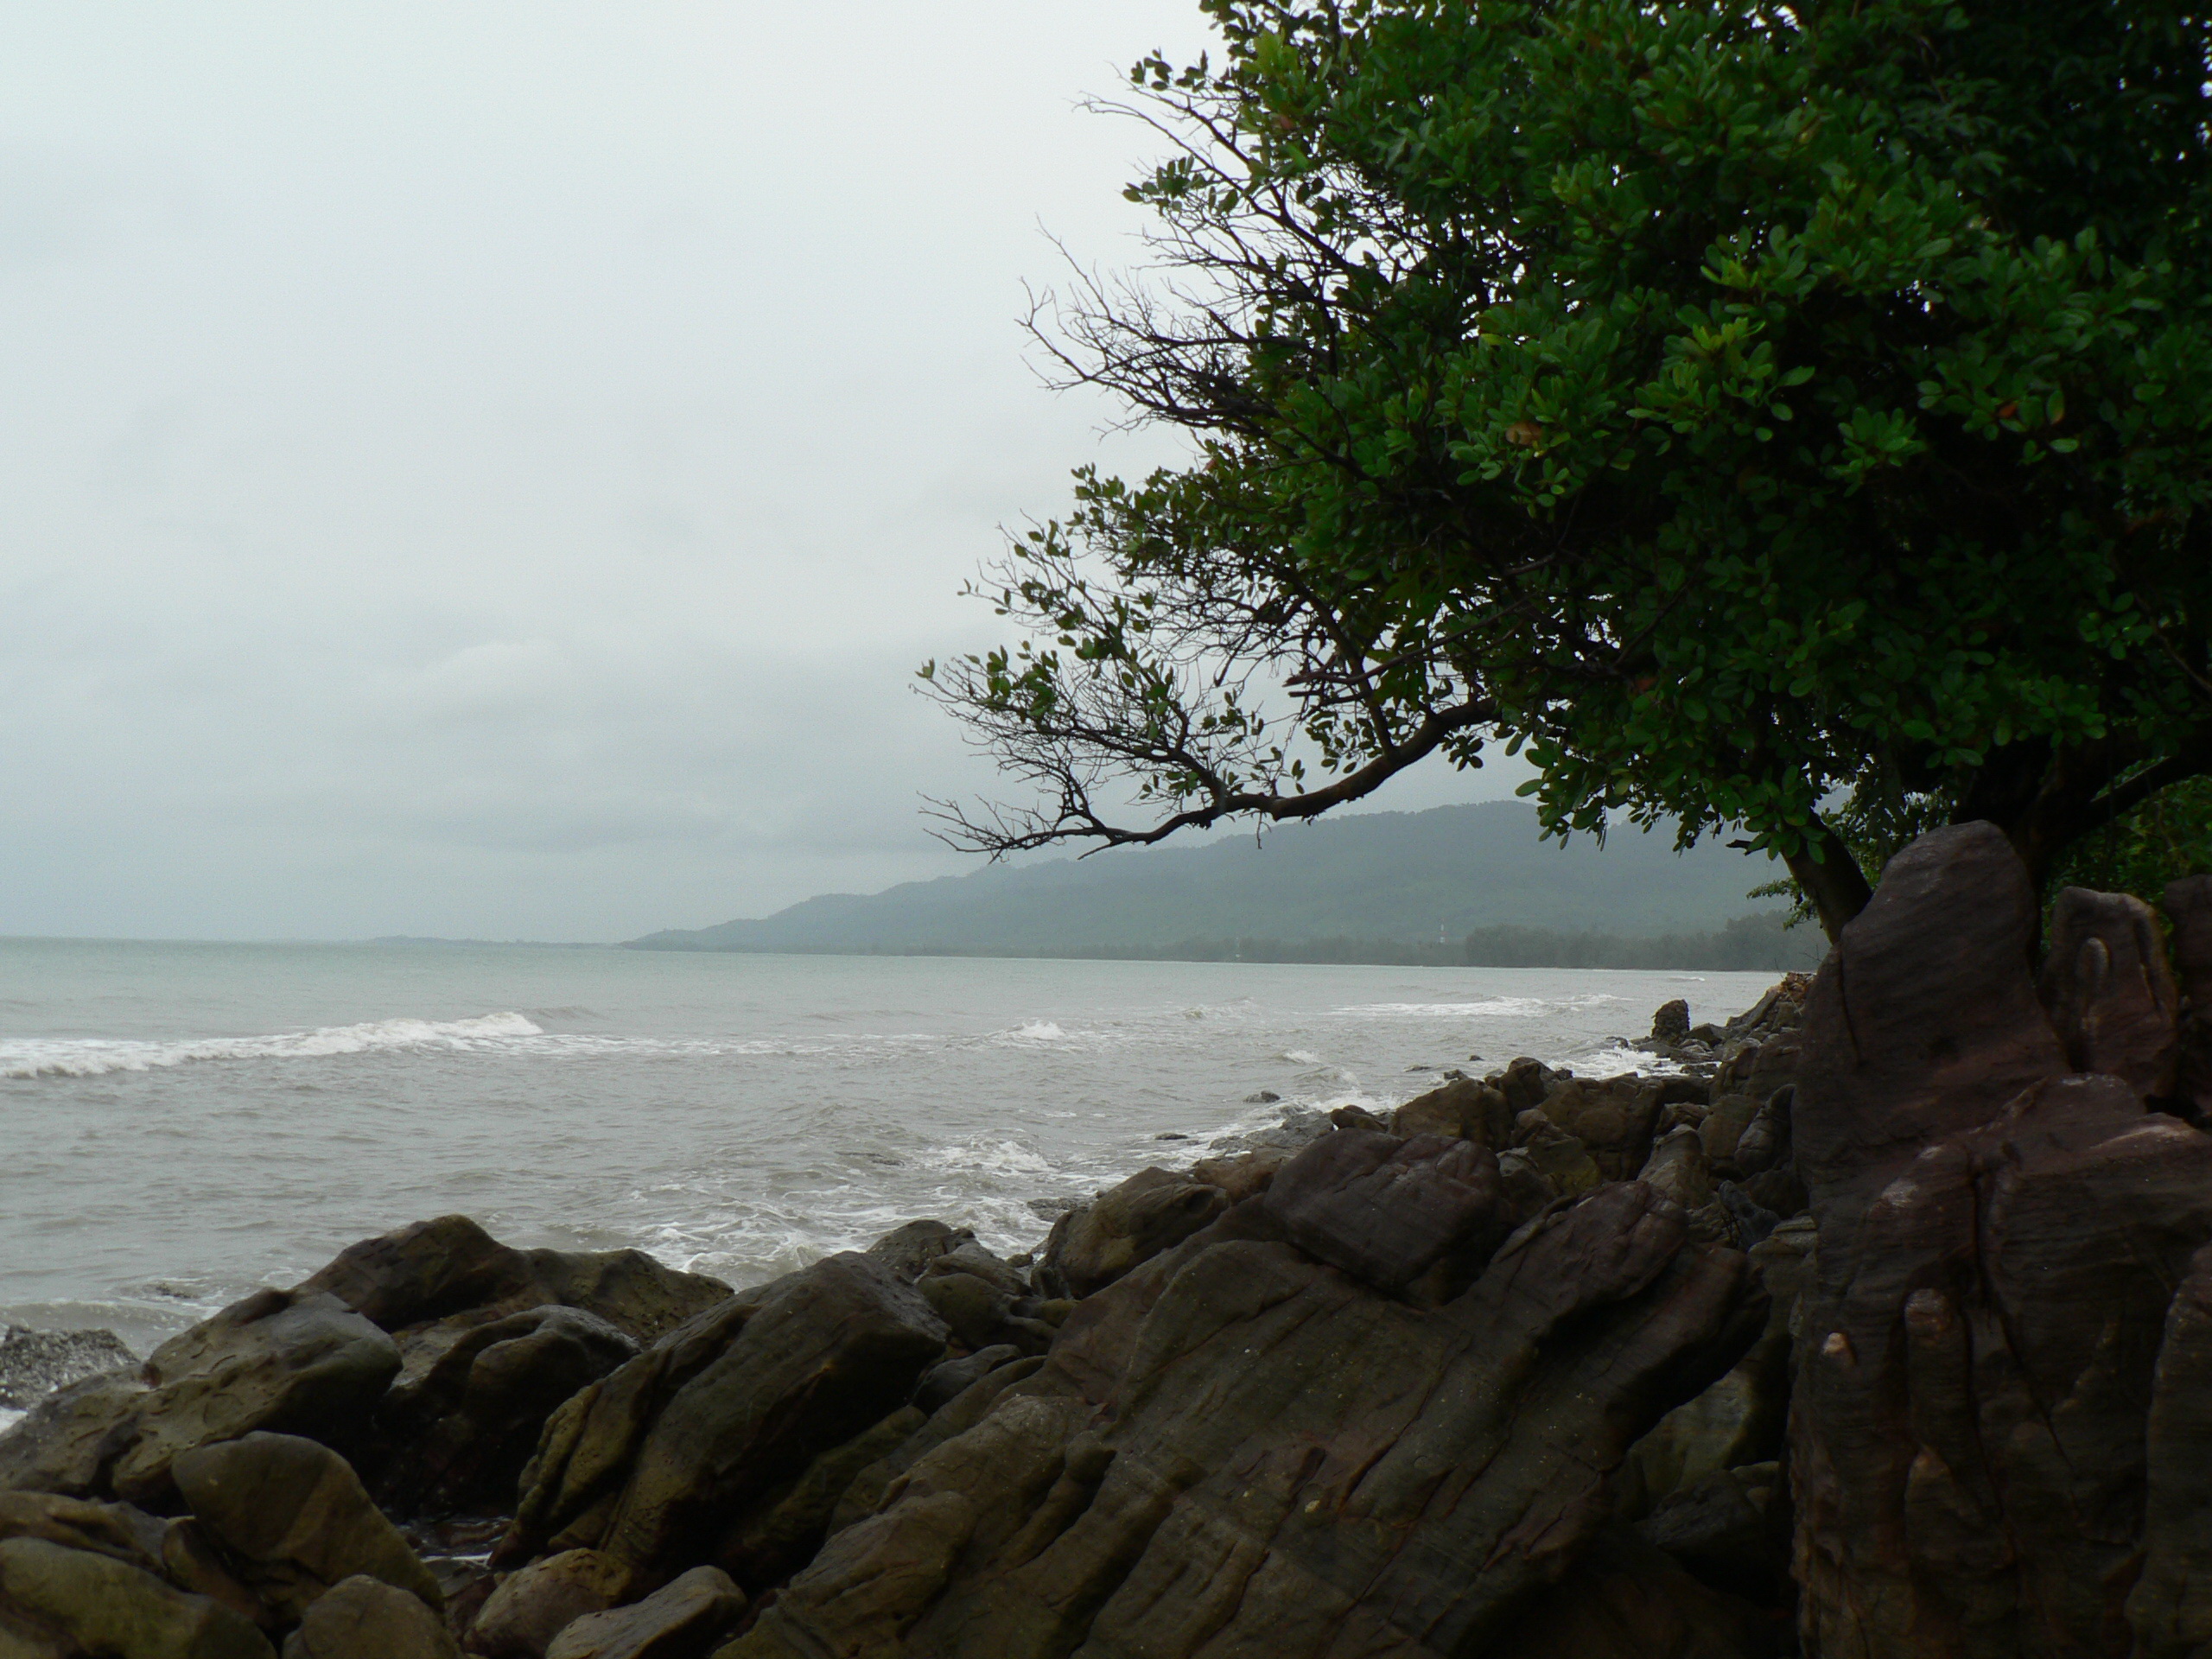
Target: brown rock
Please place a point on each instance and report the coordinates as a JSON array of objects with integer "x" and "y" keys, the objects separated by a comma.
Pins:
[
  {"x": 1979, "y": 1373},
  {"x": 1386, "y": 1210},
  {"x": 111, "y": 1529},
  {"x": 1460, "y": 1107},
  {"x": 1090, "y": 1248},
  {"x": 294, "y": 1518},
  {"x": 2111, "y": 997},
  {"x": 1239, "y": 1449},
  {"x": 103, "y": 1607},
  {"x": 532, "y": 1607},
  {"x": 660, "y": 1463},
  {"x": 679, "y": 1621},
  {"x": 456, "y": 1436},
  {"x": 1243, "y": 1176},
  {"x": 296, "y": 1361},
  {"x": 434, "y": 1269},
  {"x": 366, "y": 1618}
]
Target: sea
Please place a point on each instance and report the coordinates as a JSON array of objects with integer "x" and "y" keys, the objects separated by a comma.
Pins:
[{"x": 181, "y": 1123}]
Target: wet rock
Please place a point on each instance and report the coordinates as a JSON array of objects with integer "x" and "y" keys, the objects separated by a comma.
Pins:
[
  {"x": 296, "y": 1361},
  {"x": 679, "y": 1621},
  {"x": 113, "y": 1529},
  {"x": 660, "y": 1462},
  {"x": 1523, "y": 1082},
  {"x": 946, "y": 1382},
  {"x": 907, "y": 1251},
  {"x": 1764, "y": 1143},
  {"x": 1625, "y": 1599},
  {"x": 1242, "y": 1177},
  {"x": 433, "y": 1270},
  {"x": 1999, "y": 1245},
  {"x": 1671, "y": 1024},
  {"x": 1358, "y": 1117},
  {"x": 1388, "y": 1211},
  {"x": 457, "y": 1436},
  {"x": 33, "y": 1363},
  {"x": 1677, "y": 1168},
  {"x": 535, "y": 1605},
  {"x": 865, "y": 1493},
  {"x": 366, "y": 1618},
  {"x": 1526, "y": 1189},
  {"x": 2112, "y": 998},
  {"x": 1563, "y": 1161},
  {"x": 100, "y": 1605},
  {"x": 295, "y": 1520},
  {"x": 1725, "y": 1126},
  {"x": 781, "y": 1536},
  {"x": 1461, "y": 1108},
  {"x": 1614, "y": 1120},
  {"x": 1090, "y": 1248},
  {"x": 1292, "y": 1463}
]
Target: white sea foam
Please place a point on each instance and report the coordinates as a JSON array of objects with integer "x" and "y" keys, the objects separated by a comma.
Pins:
[{"x": 96, "y": 1057}]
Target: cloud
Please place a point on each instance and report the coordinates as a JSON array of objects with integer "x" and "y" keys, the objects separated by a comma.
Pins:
[{"x": 492, "y": 470}]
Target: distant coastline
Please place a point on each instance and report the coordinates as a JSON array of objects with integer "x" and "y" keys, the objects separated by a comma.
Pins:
[{"x": 1754, "y": 943}]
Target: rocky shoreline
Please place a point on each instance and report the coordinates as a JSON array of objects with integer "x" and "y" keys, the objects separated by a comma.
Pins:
[{"x": 1879, "y": 1323}]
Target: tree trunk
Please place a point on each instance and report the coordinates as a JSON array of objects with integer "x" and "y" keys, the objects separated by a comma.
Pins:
[{"x": 1830, "y": 877}]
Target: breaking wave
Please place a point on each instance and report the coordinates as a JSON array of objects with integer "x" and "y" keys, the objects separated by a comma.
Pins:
[{"x": 96, "y": 1057}]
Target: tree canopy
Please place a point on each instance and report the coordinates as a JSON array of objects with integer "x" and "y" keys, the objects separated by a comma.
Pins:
[{"x": 1738, "y": 409}]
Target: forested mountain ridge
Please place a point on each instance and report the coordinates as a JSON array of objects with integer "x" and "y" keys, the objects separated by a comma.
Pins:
[{"x": 1420, "y": 878}]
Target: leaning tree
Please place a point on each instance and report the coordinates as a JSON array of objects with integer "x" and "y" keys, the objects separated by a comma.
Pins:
[{"x": 1787, "y": 420}]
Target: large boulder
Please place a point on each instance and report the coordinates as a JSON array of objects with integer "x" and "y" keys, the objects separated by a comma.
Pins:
[
  {"x": 295, "y": 1520},
  {"x": 435, "y": 1269},
  {"x": 1388, "y": 1211},
  {"x": 678, "y": 1621},
  {"x": 87, "y": 1602},
  {"x": 665, "y": 1462},
  {"x": 297, "y": 1361},
  {"x": 1091, "y": 1247},
  {"x": 1460, "y": 1108},
  {"x": 2111, "y": 997},
  {"x": 366, "y": 1618},
  {"x": 533, "y": 1606},
  {"x": 1240, "y": 1448},
  {"x": 1995, "y": 1439},
  {"x": 456, "y": 1436}
]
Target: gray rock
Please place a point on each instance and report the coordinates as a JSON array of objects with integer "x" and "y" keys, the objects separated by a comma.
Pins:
[
  {"x": 296, "y": 1361},
  {"x": 33, "y": 1363}
]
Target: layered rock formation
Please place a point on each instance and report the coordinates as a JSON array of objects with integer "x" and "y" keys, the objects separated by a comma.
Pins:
[{"x": 1887, "y": 1332}]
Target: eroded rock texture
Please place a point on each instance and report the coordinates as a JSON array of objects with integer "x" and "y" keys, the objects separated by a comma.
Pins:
[
  {"x": 1240, "y": 1448},
  {"x": 1997, "y": 1441}
]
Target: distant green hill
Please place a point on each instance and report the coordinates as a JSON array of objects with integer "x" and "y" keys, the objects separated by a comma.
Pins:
[{"x": 1383, "y": 887}]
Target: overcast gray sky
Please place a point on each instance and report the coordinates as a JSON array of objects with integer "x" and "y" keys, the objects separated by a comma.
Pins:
[{"x": 489, "y": 467}]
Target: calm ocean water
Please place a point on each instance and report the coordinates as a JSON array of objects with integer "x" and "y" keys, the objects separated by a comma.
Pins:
[{"x": 180, "y": 1123}]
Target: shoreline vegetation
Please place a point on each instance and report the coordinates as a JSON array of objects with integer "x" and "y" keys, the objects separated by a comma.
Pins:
[{"x": 1761, "y": 942}]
